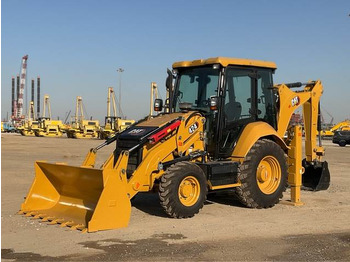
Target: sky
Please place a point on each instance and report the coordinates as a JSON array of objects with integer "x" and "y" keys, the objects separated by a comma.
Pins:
[{"x": 77, "y": 46}]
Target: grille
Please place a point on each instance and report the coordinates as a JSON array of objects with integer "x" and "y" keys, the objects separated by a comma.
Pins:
[{"x": 135, "y": 157}]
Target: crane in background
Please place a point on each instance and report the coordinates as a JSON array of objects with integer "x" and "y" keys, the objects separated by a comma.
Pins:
[{"x": 23, "y": 77}]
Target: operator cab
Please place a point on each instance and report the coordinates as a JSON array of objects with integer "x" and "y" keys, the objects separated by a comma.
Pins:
[{"x": 231, "y": 93}]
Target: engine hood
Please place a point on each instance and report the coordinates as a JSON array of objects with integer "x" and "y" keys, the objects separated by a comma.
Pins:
[{"x": 144, "y": 128}]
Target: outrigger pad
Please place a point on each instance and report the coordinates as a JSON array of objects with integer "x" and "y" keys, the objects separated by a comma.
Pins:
[{"x": 316, "y": 177}]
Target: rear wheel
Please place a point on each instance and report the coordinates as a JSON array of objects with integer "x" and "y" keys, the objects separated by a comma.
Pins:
[
  {"x": 183, "y": 190},
  {"x": 342, "y": 143},
  {"x": 263, "y": 175}
]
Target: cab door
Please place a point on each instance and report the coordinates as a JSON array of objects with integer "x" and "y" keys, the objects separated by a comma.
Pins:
[
  {"x": 248, "y": 97},
  {"x": 238, "y": 107}
]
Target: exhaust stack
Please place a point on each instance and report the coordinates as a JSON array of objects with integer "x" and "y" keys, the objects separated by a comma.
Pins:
[
  {"x": 17, "y": 93},
  {"x": 13, "y": 101},
  {"x": 32, "y": 98},
  {"x": 38, "y": 97}
]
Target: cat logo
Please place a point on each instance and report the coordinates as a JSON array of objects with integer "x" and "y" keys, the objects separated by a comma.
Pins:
[
  {"x": 295, "y": 101},
  {"x": 136, "y": 131},
  {"x": 192, "y": 128}
]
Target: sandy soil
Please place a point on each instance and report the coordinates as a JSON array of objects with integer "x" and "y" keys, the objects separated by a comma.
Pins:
[{"x": 223, "y": 230}]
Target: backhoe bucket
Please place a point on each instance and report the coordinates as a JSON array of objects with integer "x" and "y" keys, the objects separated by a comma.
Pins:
[
  {"x": 316, "y": 177},
  {"x": 78, "y": 197}
]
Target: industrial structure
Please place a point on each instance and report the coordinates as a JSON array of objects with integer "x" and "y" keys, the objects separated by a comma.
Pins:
[{"x": 19, "y": 117}]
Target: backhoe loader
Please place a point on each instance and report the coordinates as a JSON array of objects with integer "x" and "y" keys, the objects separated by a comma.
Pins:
[{"x": 222, "y": 128}]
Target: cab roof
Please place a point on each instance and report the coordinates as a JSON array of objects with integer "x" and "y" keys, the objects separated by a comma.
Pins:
[{"x": 225, "y": 61}]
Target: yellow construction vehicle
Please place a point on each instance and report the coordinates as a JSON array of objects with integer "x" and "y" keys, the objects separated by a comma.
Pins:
[
  {"x": 113, "y": 123},
  {"x": 81, "y": 128},
  {"x": 47, "y": 126},
  {"x": 345, "y": 128},
  {"x": 29, "y": 125},
  {"x": 338, "y": 127},
  {"x": 223, "y": 129}
]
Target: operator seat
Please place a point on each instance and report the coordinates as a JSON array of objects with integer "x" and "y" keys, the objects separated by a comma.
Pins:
[{"x": 233, "y": 111}]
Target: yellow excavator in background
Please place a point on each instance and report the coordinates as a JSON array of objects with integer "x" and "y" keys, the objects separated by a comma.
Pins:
[
  {"x": 81, "y": 128},
  {"x": 222, "y": 128},
  {"x": 47, "y": 126},
  {"x": 340, "y": 126},
  {"x": 113, "y": 123}
]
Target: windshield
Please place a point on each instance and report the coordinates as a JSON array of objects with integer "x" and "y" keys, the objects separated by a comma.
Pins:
[{"x": 196, "y": 86}]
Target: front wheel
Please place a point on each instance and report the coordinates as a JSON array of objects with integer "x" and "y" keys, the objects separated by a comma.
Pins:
[
  {"x": 263, "y": 175},
  {"x": 183, "y": 190}
]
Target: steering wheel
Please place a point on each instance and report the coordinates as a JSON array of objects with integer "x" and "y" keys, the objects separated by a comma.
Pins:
[{"x": 203, "y": 103}]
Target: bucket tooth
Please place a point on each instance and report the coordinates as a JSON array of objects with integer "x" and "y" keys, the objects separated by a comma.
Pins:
[
  {"x": 21, "y": 212},
  {"x": 56, "y": 221},
  {"x": 39, "y": 216},
  {"x": 78, "y": 227},
  {"x": 45, "y": 219},
  {"x": 67, "y": 224},
  {"x": 29, "y": 214}
]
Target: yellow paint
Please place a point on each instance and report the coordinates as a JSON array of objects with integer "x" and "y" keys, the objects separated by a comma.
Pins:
[
  {"x": 308, "y": 99},
  {"x": 295, "y": 168},
  {"x": 98, "y": 199},
  {"x": 223, "y": 186},
  {"x": 268, "y": 175},
  {"x": 225, "y": 61},
  {"x": 189, "y": 191},
  {"x": 252, "y": 133}
]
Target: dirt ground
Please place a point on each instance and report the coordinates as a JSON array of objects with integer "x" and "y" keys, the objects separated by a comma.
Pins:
[{"x": 224, "y": 230}]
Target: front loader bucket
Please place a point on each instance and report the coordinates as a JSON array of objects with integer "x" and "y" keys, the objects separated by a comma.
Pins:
[
  {"x": 79, "y": 197},
  {"x": 316, "y": 177}
]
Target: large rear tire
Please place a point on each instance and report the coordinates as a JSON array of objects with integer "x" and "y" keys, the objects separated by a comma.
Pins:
[
  {"x": 263, "y": 175},
  {"x": 183, "y": 190}
]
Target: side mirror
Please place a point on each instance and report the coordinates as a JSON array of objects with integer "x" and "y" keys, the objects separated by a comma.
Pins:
[
  {"x": 169, "y": 81},
  {"x": 213, "y": 103},
  {"x": 169, "y": 88},
  {"x": 158, "y": 104}
]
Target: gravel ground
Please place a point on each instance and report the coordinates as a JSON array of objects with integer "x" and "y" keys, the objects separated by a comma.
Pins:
[{"x": 223, "y": 230}]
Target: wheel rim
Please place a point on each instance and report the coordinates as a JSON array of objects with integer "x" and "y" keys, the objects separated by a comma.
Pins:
[
  {"x": 268, "y": 175},
  {"x": 189, "y": 191}
]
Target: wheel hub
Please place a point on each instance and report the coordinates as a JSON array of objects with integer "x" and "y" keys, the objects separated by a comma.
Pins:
[
  {"x": 268, "y": 175},
  {"x": 189, "y": 191}
]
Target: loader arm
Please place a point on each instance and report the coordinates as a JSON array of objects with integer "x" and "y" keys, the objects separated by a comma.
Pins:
[
  {"x": 175, "y": 140},
  {"x": 92, "y": 199}
]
